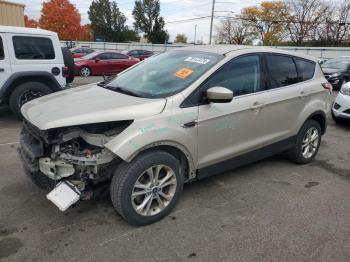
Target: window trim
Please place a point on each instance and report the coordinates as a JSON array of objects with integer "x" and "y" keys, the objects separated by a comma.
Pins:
[
  {"x": 30, "y": 36},
  {"x": 187, "y": 104}
]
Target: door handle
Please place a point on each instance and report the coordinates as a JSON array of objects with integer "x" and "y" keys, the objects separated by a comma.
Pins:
[
  {"x": 2, "y": 70},
  {"x": 257, "y": 106},
  {"x": 190, "y": 124}
]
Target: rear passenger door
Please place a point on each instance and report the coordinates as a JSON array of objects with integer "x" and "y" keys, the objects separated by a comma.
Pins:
[{"x": 286, "y": 96}]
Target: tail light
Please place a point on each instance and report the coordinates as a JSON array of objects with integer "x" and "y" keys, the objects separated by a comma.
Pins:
[
  {"x": 65, "y": 71},
  {"x": 327, "y": 86}
]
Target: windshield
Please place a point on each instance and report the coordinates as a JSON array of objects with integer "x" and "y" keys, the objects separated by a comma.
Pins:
[
  {"x": 89, "y": 56},
  {"x": 165, "y": 74},
  {"x": 336, "y": 64}
]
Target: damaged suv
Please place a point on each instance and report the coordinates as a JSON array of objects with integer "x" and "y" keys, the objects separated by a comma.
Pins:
[{"x": 177, "y": 117}]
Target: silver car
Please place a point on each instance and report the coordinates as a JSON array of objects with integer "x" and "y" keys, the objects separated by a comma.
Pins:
[{"x": 175, "y": 118}]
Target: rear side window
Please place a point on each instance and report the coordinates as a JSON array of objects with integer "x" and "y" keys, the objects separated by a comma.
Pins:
[
  {"x": 118, "y": 56},
  {"x": 33, "y": 48},
  {"x": 282, "y": 71},
  {"x": 2, "y": 55},
  {"x": 306, "y": 69}
]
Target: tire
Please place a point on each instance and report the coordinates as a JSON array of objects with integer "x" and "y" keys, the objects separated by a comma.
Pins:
[
  {"x": 31, "y": 90},
  {"x": 85, "y": 71},
  {"x": 123, "y": 186},
  {"x": 296, "y": 153},
  {"x": 69, "y": 62}
]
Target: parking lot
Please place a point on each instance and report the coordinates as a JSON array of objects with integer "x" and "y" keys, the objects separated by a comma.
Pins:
[{"x": 272, "y": 210}]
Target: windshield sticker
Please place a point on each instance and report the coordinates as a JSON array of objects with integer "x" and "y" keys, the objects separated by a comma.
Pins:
[
  {"x": 197, "y": 60},
  {"x": 184, "y": 72}
]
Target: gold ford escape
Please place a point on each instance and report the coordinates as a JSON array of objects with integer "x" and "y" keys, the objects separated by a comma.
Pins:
[{"x": 174, "y": 118}]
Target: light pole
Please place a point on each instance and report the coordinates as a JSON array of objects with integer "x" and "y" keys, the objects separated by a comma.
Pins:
[
  {"x": 195, "y": 34},
  {"x": 211, "y": 22}
]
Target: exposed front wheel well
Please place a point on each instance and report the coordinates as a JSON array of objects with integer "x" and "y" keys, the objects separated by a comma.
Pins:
[
  {"x": 178, "y": 154},
  {"x": 320, "y": 118}
]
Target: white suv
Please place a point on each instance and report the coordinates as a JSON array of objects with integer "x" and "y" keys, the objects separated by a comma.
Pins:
[
  {"x": 174, "y": 118},
  {"x": 32, "y": 64}
]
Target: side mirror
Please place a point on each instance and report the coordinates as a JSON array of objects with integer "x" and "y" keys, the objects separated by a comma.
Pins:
[
  {"x": 219, "y": 95},
  {"x": 97, "y": 60}
]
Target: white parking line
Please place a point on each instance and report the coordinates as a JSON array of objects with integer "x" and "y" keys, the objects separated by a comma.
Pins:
[{"x": 8, "y": 144}]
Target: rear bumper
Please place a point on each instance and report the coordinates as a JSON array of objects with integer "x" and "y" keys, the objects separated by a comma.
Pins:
[{"x": 341, "y": 106}]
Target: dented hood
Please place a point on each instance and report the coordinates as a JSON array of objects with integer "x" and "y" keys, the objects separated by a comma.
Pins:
[{"x": 86, "y": 105}]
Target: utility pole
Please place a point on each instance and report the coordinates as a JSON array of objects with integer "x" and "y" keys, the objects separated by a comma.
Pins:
[
  {"x": 211, "y": 22},
  {"x": 195, "y": 34}
]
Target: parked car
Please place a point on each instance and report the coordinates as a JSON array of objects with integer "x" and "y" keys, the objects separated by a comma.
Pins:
[
  {"x": 341, "y": 106},
  {"x": 140, "y": 54},
  {"x": 82, "y": 51},
  {"x": 32, "y": 64},
  {"x": 177, "y": 117},
  {"x": 105, "y": 63},
  {"x": 337, "y": 71}
]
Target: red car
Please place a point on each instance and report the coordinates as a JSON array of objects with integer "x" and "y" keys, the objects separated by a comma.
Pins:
[
  {"x": 106, "y": 63},
  {"x": 82, "y": 51},
  {"x": 140, "y": 54}
]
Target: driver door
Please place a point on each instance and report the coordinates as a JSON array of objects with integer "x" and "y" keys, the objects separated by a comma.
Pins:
[{"x": 230, "y": 129}]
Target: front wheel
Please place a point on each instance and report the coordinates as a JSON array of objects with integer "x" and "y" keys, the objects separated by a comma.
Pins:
[
  {"x": 147, "y": 189},
  {"x": 307, "y": 143}
]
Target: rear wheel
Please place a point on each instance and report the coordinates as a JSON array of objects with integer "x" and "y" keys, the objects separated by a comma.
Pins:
[
  {"x": 85, "y": 71},
  {"x": 25, "y": 93},
  {"x": 147, "y": 189},
  {"x": 307, "y": 143}
]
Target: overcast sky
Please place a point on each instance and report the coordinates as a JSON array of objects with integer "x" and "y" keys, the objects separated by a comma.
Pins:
[{"x": 171, "y": 10}]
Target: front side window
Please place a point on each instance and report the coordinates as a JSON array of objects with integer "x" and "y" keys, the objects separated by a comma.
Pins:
[
  {"x": 104, "y": 57},
  {"x": 242, "y": 76},
  {"x": 282, "y": 71},
  {"x": 33, "y": 48},
  {"x": 306, "y": 69},
  {"x": 2, "y": 55},
  {"x": 164, "y": 75}
]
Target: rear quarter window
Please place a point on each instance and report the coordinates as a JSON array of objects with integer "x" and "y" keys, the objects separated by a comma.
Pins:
[
  {"x": 282, "y": 71},
  {"x": 2, "y": 55},
  {"x": 33, "y": 48},
  {"x": 306, "y": 69}
]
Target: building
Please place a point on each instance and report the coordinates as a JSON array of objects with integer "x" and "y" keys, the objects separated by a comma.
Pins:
[{"x": 11, "y": 14}]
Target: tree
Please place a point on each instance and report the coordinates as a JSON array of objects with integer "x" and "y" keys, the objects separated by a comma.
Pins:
[
  {"x": 109, "y": 22},
  {"x": 306, "y": 16},
  {"x": 85, "y": 33},
  {"x": 148, "y": 20},
  {"x": 267, "y": 20},
  {"x": 30, "y": 22},
  {"x": 61, "y": 17},
  {"x": 336, "y": 27},
  {"x": 181, "y": 38},
  {"x": 233, "y": 31}
]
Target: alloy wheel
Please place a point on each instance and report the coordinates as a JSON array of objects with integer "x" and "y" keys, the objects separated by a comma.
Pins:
[
  {"x": 310, "y": 142},
  {"x": 154, "y": 190}
]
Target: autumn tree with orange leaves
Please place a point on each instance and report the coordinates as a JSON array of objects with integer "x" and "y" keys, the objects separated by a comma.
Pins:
[
  {"x": 62, "y": 17},
  {"x": 30, "y": 22}
]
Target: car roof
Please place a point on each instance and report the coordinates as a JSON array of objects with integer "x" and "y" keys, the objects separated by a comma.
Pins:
[
  {"x": 226, "y": 49},
  {"x": 26, "y": 30}
]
